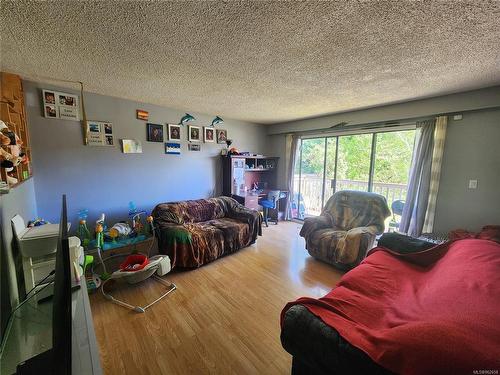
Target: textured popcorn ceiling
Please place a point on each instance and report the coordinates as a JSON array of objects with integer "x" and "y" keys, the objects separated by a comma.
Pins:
[{"x": 265, "y": 62}]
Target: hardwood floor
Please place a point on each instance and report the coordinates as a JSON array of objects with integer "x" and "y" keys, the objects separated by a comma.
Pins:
[{"x": 222, "y": 319}]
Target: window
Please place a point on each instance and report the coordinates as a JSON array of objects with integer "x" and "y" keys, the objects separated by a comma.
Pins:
[{"x": 377, "y": 162}]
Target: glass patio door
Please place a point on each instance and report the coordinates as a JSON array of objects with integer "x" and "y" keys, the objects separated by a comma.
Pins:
[{"x": 377, "y": 162}]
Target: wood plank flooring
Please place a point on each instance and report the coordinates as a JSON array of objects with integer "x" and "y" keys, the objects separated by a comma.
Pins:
[{"x": 222, "y": 319}]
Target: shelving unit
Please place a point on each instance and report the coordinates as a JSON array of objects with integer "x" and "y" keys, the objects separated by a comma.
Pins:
[
  {"x": 241, "y": 172},
  {"x": 13, "y": 113}
]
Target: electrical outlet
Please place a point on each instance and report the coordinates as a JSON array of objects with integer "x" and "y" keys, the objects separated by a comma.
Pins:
[{"x": 472, "y": 184}]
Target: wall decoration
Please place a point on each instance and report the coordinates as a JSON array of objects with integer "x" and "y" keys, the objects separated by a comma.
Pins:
[
  {"x": 99, "y": 133},
  {"x": 60, "y": 105},
  {"x": 173, "y": 148},
  {"x": 174, "y": 132},
  {"x": 186, "y": 118},
  {"x": 217, "y": 120},
  {"x": 221, "y": 135},
  {"x": 131, "y": 146},
  {"x": 194, "y": 147},
  {"x": 194, "y": 134},
  {"x": 155, "y": 132},
  {"x": 208, "y": 134},
  {"x": 142, "y": 115}
]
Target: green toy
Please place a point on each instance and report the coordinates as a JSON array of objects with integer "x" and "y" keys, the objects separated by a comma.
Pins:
[{"x": 83, "y": 232}]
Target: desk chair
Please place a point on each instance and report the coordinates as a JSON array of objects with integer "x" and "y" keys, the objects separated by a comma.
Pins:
[
  {"x": 271, "y": 202},
  {"x": 397, "y": 209}
]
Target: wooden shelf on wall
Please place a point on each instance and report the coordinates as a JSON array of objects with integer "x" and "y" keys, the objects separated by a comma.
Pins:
[{"x": 13, "y": 114}]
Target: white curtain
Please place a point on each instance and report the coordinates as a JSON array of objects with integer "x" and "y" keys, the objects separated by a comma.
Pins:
[
  {"x": 292, "y": 142},
  {"x": 437, "y": 160},
  {"x": 412, "y": 219},
  {"x": 423, "y": 185}
]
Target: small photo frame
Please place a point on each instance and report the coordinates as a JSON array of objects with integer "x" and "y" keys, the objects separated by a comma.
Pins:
[
  {"x": 66, "y": 99},
  {"x": 94, "y": 127},
  {"x": 194, "y": 147},
  {"x": 174, "y": 132},
  {"x": 194, "y": 134},
  {"x": 142, "y": 114},
  {"x": 172, "y": 148},
  {"x": 155, "y": 132},
  {"x": 49, "y": 97},
  {"x": 209, "y": 134},
  {"x": 108, "y": 128},
  {"x": 221, "y": 135},
  {"x": 51, "y": 111},
  {"x": 110, "y": 141}
]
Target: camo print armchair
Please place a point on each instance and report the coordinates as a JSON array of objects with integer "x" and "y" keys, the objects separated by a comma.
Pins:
[
  {"x": 193, "y": 233},
  {"x": 346, "y": 228}
]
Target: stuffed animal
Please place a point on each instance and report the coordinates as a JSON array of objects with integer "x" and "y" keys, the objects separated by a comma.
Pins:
[
  {"x": 13, "y": 143},
  {"x": 7, "y": 137},
  {"x": 8, "y": 160}
]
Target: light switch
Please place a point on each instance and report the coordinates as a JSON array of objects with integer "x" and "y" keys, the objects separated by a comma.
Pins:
[{"x": 472, "y": 184}]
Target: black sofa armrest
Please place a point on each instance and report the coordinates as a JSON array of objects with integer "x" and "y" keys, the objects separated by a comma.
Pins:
[
  {"x": 403, "y": 244},
  {"x": 319, "y": 349}
]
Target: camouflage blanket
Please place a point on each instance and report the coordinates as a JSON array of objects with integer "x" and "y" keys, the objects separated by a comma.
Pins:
[
  {"x": 196, "y": 232},
  {"x": 346, "y": 228}
]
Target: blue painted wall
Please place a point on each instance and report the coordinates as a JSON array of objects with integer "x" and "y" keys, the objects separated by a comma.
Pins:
[{"x": 103, "y": 179}]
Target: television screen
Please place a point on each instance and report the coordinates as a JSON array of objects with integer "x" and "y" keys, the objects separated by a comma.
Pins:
[
  {"x": 57, "y": 361},
  {"x": 61, "y": 311}
]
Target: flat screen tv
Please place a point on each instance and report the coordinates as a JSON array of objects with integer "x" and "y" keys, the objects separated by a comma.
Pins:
[{"x": 57, "y": 360}]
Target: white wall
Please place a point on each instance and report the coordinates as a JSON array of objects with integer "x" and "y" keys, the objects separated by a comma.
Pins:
[
  {"x": 103, "y": 179},
  {"x": 20, "y": 200}
]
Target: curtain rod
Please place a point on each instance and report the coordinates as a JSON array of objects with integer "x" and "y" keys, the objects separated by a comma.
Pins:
[
  {"x": 344, "y": 127},
  {"x": 381, "y": 124}
]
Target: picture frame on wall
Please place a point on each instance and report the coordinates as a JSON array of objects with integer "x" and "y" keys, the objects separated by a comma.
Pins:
[
  {"x": 131, "y": 146},
  {"x": 99, "y": 133},
  {"x": 155, "y": 132},
  {"x": 194, "y": 147},
  {"x": 221, "y": 135},
  {"x": 172, "y": 148},
  {"x": 60, "y": 105},
  {"x": 194, "y": 134},
  {"x": 142, "y": 114},
  {"x": 209, "y": 134},
  {"x": 174, "y": 132}
]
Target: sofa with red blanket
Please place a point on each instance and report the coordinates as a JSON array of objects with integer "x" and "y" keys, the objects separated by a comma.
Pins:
[{"x": 431, "y": 311}]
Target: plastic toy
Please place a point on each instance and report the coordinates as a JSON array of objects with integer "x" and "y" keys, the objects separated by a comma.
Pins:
[
  {"x": 135, "y": 217},
  {"x": 37, "y": 222},
  {"x": 113, "y": 233},
  {"x": 100, "y": 221},
  {"x": 151, "y": 228},
  {"x": 122, "y": 229},
  {"x": 99, "y": 235},
  {"x": 83, "y": 232}
]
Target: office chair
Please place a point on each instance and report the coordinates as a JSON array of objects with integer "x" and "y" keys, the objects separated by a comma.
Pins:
[{"x": 271, "y": 202}]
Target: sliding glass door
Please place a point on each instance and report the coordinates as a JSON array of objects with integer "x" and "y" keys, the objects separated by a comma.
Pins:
[{"x": 378, "y": 162}]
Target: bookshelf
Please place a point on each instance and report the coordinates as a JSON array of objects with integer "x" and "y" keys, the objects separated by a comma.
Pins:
[{"x": 13, "y": 114}]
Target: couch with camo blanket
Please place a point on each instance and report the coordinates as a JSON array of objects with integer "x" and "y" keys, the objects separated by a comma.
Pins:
[{"x": 196, "y": 232}]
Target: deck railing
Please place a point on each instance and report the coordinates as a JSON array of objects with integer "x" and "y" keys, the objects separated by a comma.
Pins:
[{"x": 312, "y": 185}]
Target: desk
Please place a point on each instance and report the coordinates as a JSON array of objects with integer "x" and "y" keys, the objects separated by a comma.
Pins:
[
  {"x": 250, "y": 199},
  {"x": 30, "y": 333}
]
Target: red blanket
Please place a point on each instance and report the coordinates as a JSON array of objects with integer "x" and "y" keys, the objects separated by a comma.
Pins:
[{"x": 443, "y": 318}]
